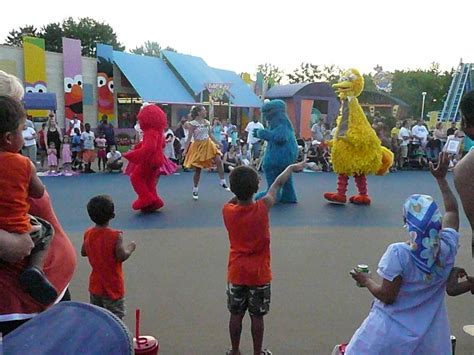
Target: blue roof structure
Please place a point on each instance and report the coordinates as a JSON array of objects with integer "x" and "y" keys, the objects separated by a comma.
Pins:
[
  {"x": 193, "y": 70},
  {"x": 240, "y": 93},
  {"x": 152, "y": 79}
]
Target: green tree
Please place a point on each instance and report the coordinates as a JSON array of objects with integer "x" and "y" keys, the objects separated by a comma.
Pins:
[
  {"x": 309, "y": 73},
  {"x": 305, "y": 73},
  {"x": 15, "y": 37},
  {"x": 331, "y": 73},
  {"x": 369, "y": 83},
  {"x": 271, "y": 73},
  {"x": 91, "y": 32},
  {"x": 52, "y": 34},
  {"x": 149, "y": 48},
  {"x": 88, "y": 30},
  {"x": 409, "y": 86}
]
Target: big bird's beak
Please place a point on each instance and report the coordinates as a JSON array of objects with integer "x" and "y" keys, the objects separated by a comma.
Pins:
[{"x": 343, "y": 86}]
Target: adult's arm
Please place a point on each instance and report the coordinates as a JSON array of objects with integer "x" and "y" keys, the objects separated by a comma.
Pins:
[
  {"x": 386, "y": 292},
  {"x": 36, "y": 188},
  {"x": 456, "y": 288},
  {"x": 463, "y": 173},
  {"x": 462, "y": 176},
  {"x": 15, "y": 247},
  {"x": 451, "y": 215}
]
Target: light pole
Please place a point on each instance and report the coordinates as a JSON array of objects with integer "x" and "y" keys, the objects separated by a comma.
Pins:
[{"x": 423, "y": 105}]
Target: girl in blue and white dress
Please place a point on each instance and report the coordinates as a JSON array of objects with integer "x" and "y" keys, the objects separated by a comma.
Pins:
[{"x": 408, "y": 315}]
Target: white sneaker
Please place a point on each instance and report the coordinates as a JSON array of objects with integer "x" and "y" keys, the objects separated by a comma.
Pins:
[
  {"x": 224, "y": 185},
  {"x": 195, "y": 195}
]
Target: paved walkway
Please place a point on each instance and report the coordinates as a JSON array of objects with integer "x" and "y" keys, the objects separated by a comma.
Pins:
[{"x": 177, "y": 275}]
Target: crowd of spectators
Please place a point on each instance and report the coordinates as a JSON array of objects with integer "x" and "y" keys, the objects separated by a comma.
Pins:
[
  {"x": 75, "y": 149},
  {"x": 414, "y": 144}
]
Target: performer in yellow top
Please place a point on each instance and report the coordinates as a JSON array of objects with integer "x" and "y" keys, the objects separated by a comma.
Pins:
[
  {"x": 355, "y": 149},
  {"x": 203, "y": 151}
]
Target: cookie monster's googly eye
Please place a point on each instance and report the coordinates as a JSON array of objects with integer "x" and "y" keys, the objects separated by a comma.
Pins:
[{"x": 344, "y": 78}]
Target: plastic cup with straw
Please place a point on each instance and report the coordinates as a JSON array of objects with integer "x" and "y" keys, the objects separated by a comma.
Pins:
[{"x": 145, "y": 344}]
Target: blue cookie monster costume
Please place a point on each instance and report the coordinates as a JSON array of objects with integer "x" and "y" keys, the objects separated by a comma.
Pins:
[{"x": 282, "y": 149}]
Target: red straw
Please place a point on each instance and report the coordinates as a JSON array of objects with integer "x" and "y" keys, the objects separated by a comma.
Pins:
[{"x": 137, "y": 325}]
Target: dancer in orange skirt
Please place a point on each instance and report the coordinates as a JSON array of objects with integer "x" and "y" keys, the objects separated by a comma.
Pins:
[{"x": 203, "y": 151}]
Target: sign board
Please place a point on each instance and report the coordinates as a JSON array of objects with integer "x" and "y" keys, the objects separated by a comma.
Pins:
[{"x": 217, "y": 90}]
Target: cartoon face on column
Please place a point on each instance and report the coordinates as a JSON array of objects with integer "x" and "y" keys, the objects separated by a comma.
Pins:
[
  {"x": 73, "y": 82},
  {"x": 105, "y": 82}
]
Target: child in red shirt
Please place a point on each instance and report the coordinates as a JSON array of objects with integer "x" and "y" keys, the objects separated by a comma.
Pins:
[
  {"x": 19, "y": 181},
  {"x": 249, "y": 271},
  {"x": 104, "y": 248}
]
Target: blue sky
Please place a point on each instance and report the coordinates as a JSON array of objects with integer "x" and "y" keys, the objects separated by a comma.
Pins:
[{"x": 239, "y": 35}]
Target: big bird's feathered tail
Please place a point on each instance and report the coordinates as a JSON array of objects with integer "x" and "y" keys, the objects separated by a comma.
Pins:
[{"x": 387, "y": 161}]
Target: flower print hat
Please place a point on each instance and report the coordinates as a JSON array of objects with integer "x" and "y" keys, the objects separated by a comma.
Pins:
[{"x": 423, "y": 221}]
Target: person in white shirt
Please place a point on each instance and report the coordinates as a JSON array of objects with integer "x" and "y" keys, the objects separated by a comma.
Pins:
[
  {"x": 253, "y": 142},
  {"x": 29, "y": 122},
  {"x": 420, "y": 133},
  {"x": 317, "y": 131},
  {"x": 114, "y": 159},
  {"x": 88, "y": 152},
  {"x": 29, "y": 146},
  {"x": 75, "y": 123},
  {"x": 404, "y": 138}
]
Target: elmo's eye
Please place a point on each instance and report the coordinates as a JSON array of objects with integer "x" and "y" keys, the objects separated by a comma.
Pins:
[
  {"x": 101, "y": 81},
  {"x": 68, "y": 82},
  {"x": 78, "y": 80}
]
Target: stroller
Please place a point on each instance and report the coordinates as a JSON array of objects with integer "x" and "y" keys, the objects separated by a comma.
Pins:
[
  {"x": 417, "y": 158},
  {"x": 318, "y": 153},
  {"x": 70, "y": 328}
]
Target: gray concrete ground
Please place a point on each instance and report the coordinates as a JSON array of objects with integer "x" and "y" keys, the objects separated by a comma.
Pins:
[
  {"x": 177, "y": 279},
  {"x": 177, "y": 276}
]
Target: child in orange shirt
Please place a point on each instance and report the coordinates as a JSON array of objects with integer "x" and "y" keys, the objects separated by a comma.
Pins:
[
  {"x": 249, "y": 271},
  {"x": 104, "y": 248},
  {"x": 19, "y": 182}
]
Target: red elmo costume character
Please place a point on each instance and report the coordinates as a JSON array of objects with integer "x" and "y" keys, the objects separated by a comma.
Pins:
[{"x": 147, "y": 158}]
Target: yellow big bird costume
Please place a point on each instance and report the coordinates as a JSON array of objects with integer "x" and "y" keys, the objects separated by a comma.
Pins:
[{"x": 355, "y": 148}]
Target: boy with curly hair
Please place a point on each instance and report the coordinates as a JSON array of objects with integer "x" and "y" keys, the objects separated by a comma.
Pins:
[
  {"x": 249, "y": 272},
  {"x": 106, "y": 252}
]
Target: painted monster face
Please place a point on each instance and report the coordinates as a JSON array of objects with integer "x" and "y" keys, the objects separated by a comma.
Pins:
[
  {"x": 73, "y": 96},
  {"x": 38, "y": 86},
  {"x": 105, "y": 91}
]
